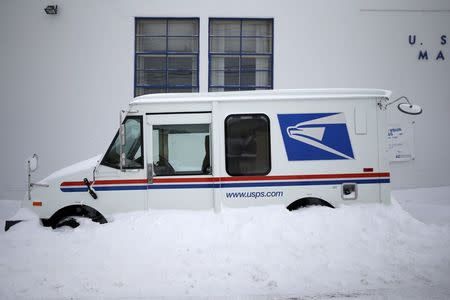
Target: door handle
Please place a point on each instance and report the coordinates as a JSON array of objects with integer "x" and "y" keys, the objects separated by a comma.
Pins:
[{"x": 150, "y": 173}]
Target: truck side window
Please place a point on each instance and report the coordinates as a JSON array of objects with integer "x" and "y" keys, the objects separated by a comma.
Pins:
[
  {"x": 247, "y": 144},
  {"x": 134, "y": 158},
  {"x": 181, "y": 149}
]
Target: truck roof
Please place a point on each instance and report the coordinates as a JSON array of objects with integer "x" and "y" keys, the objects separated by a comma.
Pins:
[{"x": 262, "y": 95}]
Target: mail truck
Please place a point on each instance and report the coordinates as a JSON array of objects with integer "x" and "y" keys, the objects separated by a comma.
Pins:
[{"x": 213, "y": 151}]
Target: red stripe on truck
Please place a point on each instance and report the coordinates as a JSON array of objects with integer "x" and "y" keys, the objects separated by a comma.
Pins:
[{"x": 227, "y": 179}]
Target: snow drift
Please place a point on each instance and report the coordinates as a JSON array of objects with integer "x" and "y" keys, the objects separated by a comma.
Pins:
[{"x": 254, "y": 251}]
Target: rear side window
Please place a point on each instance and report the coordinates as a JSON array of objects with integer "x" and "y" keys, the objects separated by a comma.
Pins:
[{"x": 247, "y": 144}]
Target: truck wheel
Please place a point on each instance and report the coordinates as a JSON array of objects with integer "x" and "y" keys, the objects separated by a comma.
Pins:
[
  {"x": 65, "y": 216},
  {"x": 310, "y": 201},
  {"x": 69, "y": 221}
]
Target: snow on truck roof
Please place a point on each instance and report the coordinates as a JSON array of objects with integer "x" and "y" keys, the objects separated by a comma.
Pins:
[{"x": 262, "y": 95}]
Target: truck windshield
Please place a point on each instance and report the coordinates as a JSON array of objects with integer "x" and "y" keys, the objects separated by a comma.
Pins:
[{"x": 134, "y": 158}]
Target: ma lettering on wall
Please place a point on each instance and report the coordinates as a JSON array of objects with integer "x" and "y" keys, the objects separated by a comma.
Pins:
[{"x": 427, "y": 54}]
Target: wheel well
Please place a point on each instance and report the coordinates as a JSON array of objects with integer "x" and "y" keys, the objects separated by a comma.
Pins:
[
  {"x": 74, "y": 211},
  {"x": 309, "y": 201}
]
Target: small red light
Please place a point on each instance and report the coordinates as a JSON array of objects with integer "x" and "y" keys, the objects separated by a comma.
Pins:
[
  {"x": 37, "y": 203},
  {"x": 368, "y": 169}
]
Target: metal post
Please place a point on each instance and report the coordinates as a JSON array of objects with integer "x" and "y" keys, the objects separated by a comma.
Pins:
[
  {"x": 29, "y": 180},
  {"x": 120, "y": 141}
]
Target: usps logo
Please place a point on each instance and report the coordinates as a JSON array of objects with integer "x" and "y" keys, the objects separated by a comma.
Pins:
[{"x": 322, "y": 136}]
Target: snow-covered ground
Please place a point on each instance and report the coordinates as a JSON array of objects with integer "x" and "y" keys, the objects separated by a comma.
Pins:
[{"x": 373, "y": 251}]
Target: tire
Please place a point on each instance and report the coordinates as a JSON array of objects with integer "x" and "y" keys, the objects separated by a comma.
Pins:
[
  {"x": 69, "y": 221},
  {"x": 66, "y": 216},
  {"x": 305, "y": 202}
]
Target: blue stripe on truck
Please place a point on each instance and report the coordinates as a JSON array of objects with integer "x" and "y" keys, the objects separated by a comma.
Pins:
[{"x": 224, "y": 185}]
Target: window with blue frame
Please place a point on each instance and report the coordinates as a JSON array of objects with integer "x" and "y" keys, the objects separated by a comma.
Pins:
[
  {"x": 240, "y": 54},
  {"x": 166, "y": 57}
]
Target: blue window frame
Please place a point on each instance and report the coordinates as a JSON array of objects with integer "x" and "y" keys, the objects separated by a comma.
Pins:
[
  {"x": 166, "y": 55},
  {"x": 240, "y": 54}
]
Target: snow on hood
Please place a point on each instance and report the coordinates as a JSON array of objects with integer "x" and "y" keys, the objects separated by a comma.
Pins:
[{"x": 77, "y": 167}]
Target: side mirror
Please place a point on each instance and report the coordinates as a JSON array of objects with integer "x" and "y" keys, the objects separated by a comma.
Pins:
[
  {"x": 33, "y": 163},
  {"x": 405, "y": 107},
  {"x": 410, "y": 109}
]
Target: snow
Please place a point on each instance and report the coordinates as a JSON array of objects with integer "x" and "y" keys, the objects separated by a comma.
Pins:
[
  {"x": 364, "y": 251},
  {"x": 79, "y": 166}
]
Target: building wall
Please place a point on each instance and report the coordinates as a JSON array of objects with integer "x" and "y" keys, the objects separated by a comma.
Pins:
[{"x": 64, "y": 78}]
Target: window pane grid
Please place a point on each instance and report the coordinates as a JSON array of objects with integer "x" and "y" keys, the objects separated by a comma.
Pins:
[
  {"x": 236, "y": 71},
  {"x": 240, "y": 54},
  {"x": 167, "y": 52},
  {"x": 239, "y": 36},
  {"x": 166, "y": 55},
  {"x": 240, "y": 86},
  {"x": 143, "y": 91},
  {"x": 234, "y": 53},
  {"x": 166, "y": 86},
  {"x": 175, "y": 36},
  {"x": 161, "y": 70}
]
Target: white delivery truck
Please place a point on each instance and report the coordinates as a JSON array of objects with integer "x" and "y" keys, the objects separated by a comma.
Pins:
[{"x": 290, "y": 148}]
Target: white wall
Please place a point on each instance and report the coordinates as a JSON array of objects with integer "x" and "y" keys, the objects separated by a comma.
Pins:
[{"x": 64, "y": 78}]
